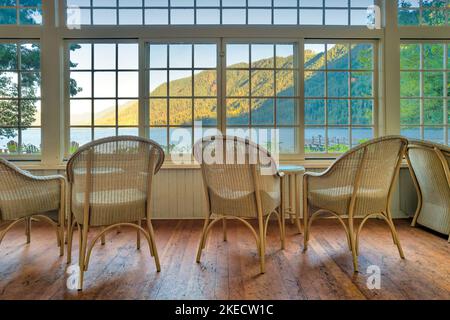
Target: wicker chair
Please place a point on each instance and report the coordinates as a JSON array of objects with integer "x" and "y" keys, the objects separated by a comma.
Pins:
[
  {"x": 24, "y": 197},
  {"x": 358, "y": 185},
  {"x": 244, "y": 186},
  {"x": 110, "y": 184},
  {"x": 429, "y": 167}
]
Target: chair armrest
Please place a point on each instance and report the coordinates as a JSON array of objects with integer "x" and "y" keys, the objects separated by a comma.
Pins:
[
  {"x": 327, "y": 178},
  {"x": 28, "y": 175}
]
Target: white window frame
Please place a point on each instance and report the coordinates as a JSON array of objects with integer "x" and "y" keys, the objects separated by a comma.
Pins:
[{"x": 52, "y": 34}]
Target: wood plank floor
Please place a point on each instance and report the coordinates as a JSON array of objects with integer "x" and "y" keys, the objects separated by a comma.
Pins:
[{"x": 229, "y": 270}]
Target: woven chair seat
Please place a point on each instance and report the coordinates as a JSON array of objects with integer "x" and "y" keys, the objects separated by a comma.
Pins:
[
  {"x": 334, "y": 198},
  {"x": 31, "y": 199},
  {"x": 241, "y": 203},
  {"x": 112, "y": 206}
]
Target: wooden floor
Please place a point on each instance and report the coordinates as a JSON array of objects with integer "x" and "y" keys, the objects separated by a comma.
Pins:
[{"x": 229, "y": 270}]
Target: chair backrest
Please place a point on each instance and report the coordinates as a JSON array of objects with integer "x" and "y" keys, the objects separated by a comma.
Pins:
[
  {"x": 107, "y": 165},
  {"x": 430, "y": 164},
  {"x": 233, "y": 170},
  {"x": 371, "y": 169}
]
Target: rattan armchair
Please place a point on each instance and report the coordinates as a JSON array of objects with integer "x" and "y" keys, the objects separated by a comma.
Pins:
[
  {"x": 429, "y": 167},
  {"x": 358, "y": 185},
  {"x": 110, "y": 183},
  {"x": 24, "y": 197},
  {"x": 240, "y": 182}
]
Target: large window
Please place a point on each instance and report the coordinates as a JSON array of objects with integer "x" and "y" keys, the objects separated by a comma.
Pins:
[
  {"x": 301, "y": 77},
  {"x": 216, "y": 12},
  {"x": 425, "y": 90},
  {"x": 183, "y": 93},
  {"x": 104, "y": 90},
  {"x": 23, "y": 12},
  {"x": 261, "y": 93},
  {"x": 20, "y": 92},
  {"x": 249, "y": 89},
  {"x": 423, "y": 12},
  {"x": 339, "y": 95}
]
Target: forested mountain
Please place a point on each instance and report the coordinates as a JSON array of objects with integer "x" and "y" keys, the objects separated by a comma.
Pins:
[{"x": 262, "y": 83}]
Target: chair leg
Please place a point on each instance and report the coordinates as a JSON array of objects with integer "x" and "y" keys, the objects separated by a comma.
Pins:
[
  {"x": 201, "y": 245},
  {"x": 351, "y": 232},
  {"x": 70, "y": 229},
  {"x": 395, "y": 235},
  {"x": 82, "y": 256},
  {"x": 28, "y": 229},
  {"x": 305, "y": 216},
  {"x": 103, "y": 238},
  {"x": 262, "y": 248},
  {"x": 153, "y": 244},
  {"x": 61, "y": 229},
  {"x": 281, "y": 220},
  {"x": 138, "y": 237},
  {"x": 224, "y": 227},
  {"x": 61, "y": 240}
]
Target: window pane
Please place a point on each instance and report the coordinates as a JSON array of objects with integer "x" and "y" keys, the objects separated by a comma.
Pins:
[
  {"x": 338, "y": 140},
  {"x": 105, "y": 112},
  {"x": 410, "y": 56},
  {"x": 158, "y": 112},
  {"x": 183, "y": 89},
  {"x": 20, "y": 107},
  {"x": 362, "y": 84},
  {"x": 205, "y": 111},
  {"x": 263, "y": 111},
  {"x": 80, "y": 112},
  {"x": 128, "y": 56},
  {"x": 213, "y": 12},
  {"x": 410, "y": 111},
  {"x": 287, "y": 112},
  {"x": 238, "y": 83},
  {"x": 262, "y": 83},
  {"x": 314, "y": 84},
  {"x": 347, "y": 78},
  {"x": 238, "y": 111},
  {"x": 315, "y": 140},
  {"x": 338, "y": 112},
  {"x": 205, "y": 83},
  {"x": 424, "y": 117},
  {"x": 80, "y": 56},
  {"x": 128, "y": 112},
  {"x": 238, "y": 55},
  {"x": 314, "y": 112}
]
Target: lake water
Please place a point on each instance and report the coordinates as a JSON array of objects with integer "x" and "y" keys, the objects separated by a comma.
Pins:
[{"x": 286, "y": 136}]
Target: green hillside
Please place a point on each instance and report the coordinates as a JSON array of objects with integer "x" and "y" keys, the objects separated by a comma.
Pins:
[
  {"x": 205, "y": 110},
  {"x": 237, "y": 86}
]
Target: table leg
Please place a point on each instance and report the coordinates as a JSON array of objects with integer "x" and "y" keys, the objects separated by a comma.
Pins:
[
  {"x": 297, "y": 203},
  {"x": 291, "y": 198}
]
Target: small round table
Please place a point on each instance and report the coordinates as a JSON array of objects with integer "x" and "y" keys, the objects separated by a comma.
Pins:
[{"x": 293, "y": 174}]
